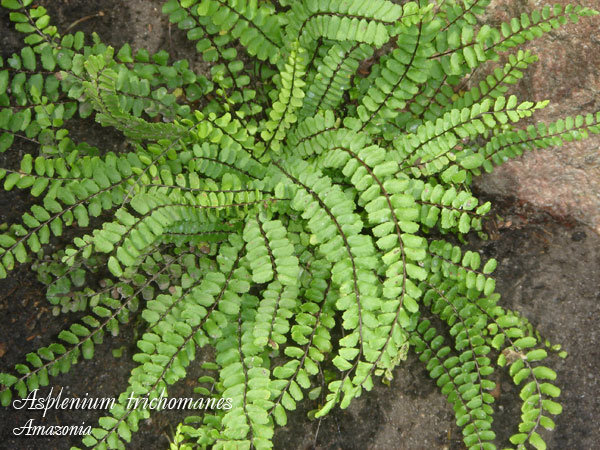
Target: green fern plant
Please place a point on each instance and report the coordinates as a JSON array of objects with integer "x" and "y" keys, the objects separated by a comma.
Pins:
[{"x": 292, "y": 209}]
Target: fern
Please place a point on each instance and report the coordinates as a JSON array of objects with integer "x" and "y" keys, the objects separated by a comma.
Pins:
[{"x": 286, "y": 212}]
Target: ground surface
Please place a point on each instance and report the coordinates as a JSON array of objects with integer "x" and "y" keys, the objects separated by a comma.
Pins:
[
  {"x": 549, "y": 269},
  {"x": 565, "y": 180}
]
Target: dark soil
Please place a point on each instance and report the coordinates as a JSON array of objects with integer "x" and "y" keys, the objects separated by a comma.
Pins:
[{"x": 548, "y": 270}]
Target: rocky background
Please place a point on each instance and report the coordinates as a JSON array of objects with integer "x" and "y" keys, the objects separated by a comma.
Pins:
[{"x": 565, "y": 180}]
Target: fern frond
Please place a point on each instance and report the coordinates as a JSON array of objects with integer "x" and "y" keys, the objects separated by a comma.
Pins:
[
  {"x": 66, "y": 200},
  {"x": 350, "y": 21},
  {"x": 311, "y": 341},
  {"x": 458, "y": 14},
  {"x": 81, "y": 339},
  {"x": 255, "y": 26},
  {"x": 522, "y": 353},
  {"x": 496, "y": 84},
  {"x": 334, "y": 75},
  {"x": 509, "y": 144},
  {"x": 405, "y": 69},
  {"x": 458, "y": 383},
  {"x": 272, "y": 260},
  {"x": 474, "y": 48},
  {"x": 449, "y": 209},
  {"x": 432, "y": 143},
  {"x": 289, "y": 100},
  {"x": 169, "y": 346},
  {"x": 33, "y": 21}
]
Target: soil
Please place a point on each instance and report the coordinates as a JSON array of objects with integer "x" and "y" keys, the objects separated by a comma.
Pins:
[{"x": 548, "y": 270}]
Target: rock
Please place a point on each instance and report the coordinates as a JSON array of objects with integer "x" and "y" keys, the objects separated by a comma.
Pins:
[{"x": 564, "y": 180}]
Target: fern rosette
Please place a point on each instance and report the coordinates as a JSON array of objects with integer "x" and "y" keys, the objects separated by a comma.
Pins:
[{"x": 290, "y": 208}]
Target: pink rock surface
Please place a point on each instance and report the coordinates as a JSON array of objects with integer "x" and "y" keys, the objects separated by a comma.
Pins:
[{"x": 564, "y": 180}]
